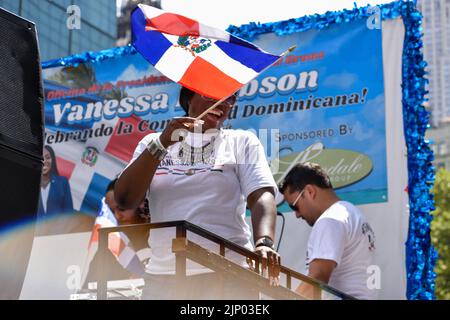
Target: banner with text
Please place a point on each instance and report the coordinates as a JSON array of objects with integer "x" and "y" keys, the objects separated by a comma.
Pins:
[{"x": 323, "y": 103}]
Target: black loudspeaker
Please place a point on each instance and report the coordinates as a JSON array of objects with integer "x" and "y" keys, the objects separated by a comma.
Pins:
[{"x": 21, "y": 143}]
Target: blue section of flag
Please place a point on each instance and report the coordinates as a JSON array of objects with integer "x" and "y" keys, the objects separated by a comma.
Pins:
[
  {"x": 135, "y": 266},
  {"x": 151, "y": 44},
  {"x": 243, "y": 43},
  {"x": 254, "y": 59},
  {"x": 96, "y": 191}
]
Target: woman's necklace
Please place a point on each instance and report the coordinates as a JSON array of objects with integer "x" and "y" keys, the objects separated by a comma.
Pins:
[{"x": 188, "y": 154}]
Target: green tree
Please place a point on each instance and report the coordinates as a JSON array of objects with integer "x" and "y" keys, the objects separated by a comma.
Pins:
[
  {"x": 440, "y": 233},
  {"x": 83, "y": 76}
]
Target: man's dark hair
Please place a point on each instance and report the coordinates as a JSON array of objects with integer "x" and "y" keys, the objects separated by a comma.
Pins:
[
  {"x": 305, "y": 173},
  {"x": 111, "y": 185}
]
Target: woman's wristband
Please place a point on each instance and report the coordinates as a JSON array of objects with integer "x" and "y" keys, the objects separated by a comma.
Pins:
[{"x": 156, "y": 149}]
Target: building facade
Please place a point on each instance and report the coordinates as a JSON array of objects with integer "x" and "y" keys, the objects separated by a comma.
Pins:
[
  {"x": 436, "y": 26},
  {"x": 61, "y": 32},
  {"x": 123, "y": 25},
  {"x": 441, "y": 145}
]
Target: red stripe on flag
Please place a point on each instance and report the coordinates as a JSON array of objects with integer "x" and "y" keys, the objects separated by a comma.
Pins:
[
  {"x": 94, "y": 235},
  {"x": 174, "y": 24},
  {"x": 122, "y": 145},
  {"x": 207, "y": 79},
  {"x": 65, "y": 168},
  {"x": 115, "y": 243}
]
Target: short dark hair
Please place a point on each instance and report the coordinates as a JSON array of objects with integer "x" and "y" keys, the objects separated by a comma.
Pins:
[
  {"x": 185, "y": 95},
  {"x": 305, "y": 173}
]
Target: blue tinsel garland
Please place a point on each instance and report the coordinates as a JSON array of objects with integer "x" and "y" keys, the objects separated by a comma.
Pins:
[
  {"x": 420, "y": 254},
  {"x": 90, "y": 56}
]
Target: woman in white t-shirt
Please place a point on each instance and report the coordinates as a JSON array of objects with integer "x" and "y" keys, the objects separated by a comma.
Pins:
[{"x": 206, "y": 175}]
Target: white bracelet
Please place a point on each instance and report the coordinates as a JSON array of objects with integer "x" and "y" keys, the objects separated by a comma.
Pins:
[
  {"x": 156, "y": 149},
  {"x": 160, "y": 145}
]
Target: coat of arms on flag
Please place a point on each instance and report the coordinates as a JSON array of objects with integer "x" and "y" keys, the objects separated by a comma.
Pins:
[
  {"x": 194, "y": 44},
  {"x": 205, "y": 59}
]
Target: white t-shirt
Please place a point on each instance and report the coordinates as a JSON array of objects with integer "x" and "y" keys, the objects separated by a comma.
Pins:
[
  {"x": 342, "y": 234},
  {"x": 211, "y": 195}
]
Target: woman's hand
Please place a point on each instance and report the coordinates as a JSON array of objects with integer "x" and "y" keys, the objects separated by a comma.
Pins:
[
  {"x": 271, "y": 264},
  {"x": 177, "y": 129}
]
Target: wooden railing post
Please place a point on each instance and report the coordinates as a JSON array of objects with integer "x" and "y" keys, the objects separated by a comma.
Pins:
[
  {"x": 180, "y": 259},
  {"x": 102, "y": 282}
]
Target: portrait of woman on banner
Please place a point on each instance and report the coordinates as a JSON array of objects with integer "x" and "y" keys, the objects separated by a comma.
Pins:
[{"x": 55, "y": 195}]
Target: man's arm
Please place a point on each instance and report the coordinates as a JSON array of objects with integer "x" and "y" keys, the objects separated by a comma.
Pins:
[{"x": 319, "y": 269}]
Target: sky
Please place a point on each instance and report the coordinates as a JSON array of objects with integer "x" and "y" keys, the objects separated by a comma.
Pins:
[{"x": 222, "y": 13}]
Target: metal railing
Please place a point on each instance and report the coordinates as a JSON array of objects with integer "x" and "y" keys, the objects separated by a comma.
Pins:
[{"x": 185, "y": 249}]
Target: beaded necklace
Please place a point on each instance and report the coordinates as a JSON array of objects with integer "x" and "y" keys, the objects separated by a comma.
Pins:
[
  {"x": 188, "y": 154},
  {"x": 192, "y": 151}
]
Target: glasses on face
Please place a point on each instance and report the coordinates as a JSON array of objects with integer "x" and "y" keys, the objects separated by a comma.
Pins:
[
  {"x": 229, "y": 102},
  {"x": 292, "y": 206}
]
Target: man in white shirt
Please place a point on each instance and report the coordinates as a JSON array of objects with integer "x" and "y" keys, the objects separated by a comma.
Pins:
[{"x": 341, "y": 244}]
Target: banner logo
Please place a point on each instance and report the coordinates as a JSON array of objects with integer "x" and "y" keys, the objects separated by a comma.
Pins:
[
  {"x": 344, "y": 167},
  {"x": 90, "y": 156}
]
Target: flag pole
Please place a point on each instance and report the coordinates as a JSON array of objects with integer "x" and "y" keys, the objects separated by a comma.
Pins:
[{"x": 292, "y": 48}]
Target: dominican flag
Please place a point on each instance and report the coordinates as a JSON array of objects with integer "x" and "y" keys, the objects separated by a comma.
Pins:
[
  {"x": 204, "y": 59},
  {"x": 118, "y": 243}
]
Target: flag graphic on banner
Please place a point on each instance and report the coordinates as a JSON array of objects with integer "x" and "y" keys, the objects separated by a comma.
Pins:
[
  {"x": 204, "y": 59},
  {"x": 91, "y": 164}
]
